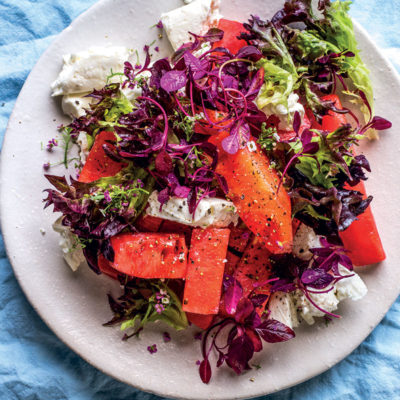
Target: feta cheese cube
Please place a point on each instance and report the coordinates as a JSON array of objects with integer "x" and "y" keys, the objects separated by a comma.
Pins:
[{"x": 210, "y": 211}]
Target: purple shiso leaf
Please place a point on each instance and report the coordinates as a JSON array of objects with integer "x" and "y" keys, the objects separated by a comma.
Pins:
[
  {"x": 255, "y": 338},
  {"x": 316, "y": 278},
  {"x": 297, "y": 123},
  {"x": 107, "y": 250},
  {"x": 306, "y": 136},
  {"x": 159, "y": 68},
  {"x": 249, "y": 52},
  {"x": 365, "y": 100},
  {"x": 59, "y": 182},
  {"x": 192, "y": 199},
  {"x": 259, "y": 299},
  {"x": 239, "y": 354},
  {"x": 181, "y": 191},
  {"x": 232, "y": 296},
  {"x": 231, "y": 144},
  {"x": 195, "y": 65},
  {"x": 380, "y": 124},
  {"x": 163, "y": 196},
  {"x": 243, "y": 310},
  {"x": 205, "y": 370},
  {"x": 273, "y": 331},
  {"x": 214, "y": 35},
  {"x": 255, "y": 85},
  {"x": 173, "y": 81}
]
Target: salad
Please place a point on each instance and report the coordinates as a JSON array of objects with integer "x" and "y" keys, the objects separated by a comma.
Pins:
[{"x": 222, "y": 187}]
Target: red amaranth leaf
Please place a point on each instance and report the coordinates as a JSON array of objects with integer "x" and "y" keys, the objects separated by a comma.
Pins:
[
  {"x": 205, "y": 370},
  {"x": 173, "y": 80},
  {"x": 273, "y": 331}
]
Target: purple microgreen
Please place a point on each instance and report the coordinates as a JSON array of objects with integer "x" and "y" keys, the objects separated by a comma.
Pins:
[
  {"x": 296, "y": 122},
  {"x": 152, "y": 349},
  {"x": 173, "y": 80},
  {"x": 166, "y": 337},
  {"x": 205, "y": 371},
  {"x": 233, "y": 294},
  {"x": 273, "y": 331}
]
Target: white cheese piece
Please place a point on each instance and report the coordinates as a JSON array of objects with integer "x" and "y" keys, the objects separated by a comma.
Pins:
[
  {"x": 282, "y": 309},
  {"x": 210, "y": 211},
  {"x": 74, "y": 105},
  {"x": 133, "y": 94},
  {"x": 83, "y": 146},
  {"x": 72, "y": 251},
  {"x": 305, "y": 239},
  {"x": 197, "y": 17},
  {"x": 87, "y": 70},
  {"x": 286, "y": 112},
  {"x": 350, "y": 288},
  {"x": 307, "y": 311}
]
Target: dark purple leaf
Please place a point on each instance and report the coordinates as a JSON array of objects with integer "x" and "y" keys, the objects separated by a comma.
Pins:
[
  {"x": 316, "y": 278},
  {"x": 194, "y": 64},
  {"x": 231, "y": 144},
  {"x": 163, "y": 196},
  {"x": 240, "y": 353},
  {"x": 255, "y": 338},
  {"x": 214, "y": 35},
  {"x": 249, "y": 52},
  {"x": 259, "y": 300},
  {"x": 244, "y": 308},
  {"x": 255, "y": 85},
  {"x": 173, "y": 80},
  {"x": 232, "y": 296},
  {"x": 380, "y": 123},
  {"x": 273, "y": 331},
  {"x": 205, "y": 371},
  {"x": 297, "y": 122}
]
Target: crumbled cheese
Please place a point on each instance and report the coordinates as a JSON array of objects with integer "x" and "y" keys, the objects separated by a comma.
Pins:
[
  {"x": 347, "y": 288},
  {"x": 350, "y": 288},
  {"x": 74, "y": 105},
  {"x": 210, "y": 211},
  {"x": 281, "y": 307},
  {"x": 305, "y": 239},
  {"x": 83, "y": 146},
  {"x": 72, "y": 251},
  {"x": 286, "y": 112},
  {"x": 87, "y": 70},
  {"x": 132, "y": 94},
  {"x": 307, "y": 311},
  {"x": 196, "y": 17}
]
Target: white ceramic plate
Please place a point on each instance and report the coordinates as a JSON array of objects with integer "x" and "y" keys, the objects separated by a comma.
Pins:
[{"x": 75, "y": 305}]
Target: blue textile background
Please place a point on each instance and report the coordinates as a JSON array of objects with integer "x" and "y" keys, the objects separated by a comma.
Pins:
[{"x": 34, "y": 364}]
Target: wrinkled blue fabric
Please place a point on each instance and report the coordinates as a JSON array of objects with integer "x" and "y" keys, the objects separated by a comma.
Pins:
[{"x": 35, "y": 365}]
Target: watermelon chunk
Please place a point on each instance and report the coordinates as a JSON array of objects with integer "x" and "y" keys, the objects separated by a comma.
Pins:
[
  {"x": 205, "y": 271},
  {"x": 98, "y": 164},
  {"x": 150, "y": 255}
]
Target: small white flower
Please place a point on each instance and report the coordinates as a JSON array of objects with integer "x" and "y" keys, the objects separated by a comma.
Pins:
[
  {"x": 165, "y": 300},
  {"x": 251, "y": 146}
]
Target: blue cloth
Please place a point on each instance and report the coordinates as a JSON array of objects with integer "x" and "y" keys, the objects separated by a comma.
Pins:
[{"x": 34, "y": 364}]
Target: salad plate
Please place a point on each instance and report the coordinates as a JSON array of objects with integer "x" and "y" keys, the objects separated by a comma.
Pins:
[{"x": 74, "y": 305}]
